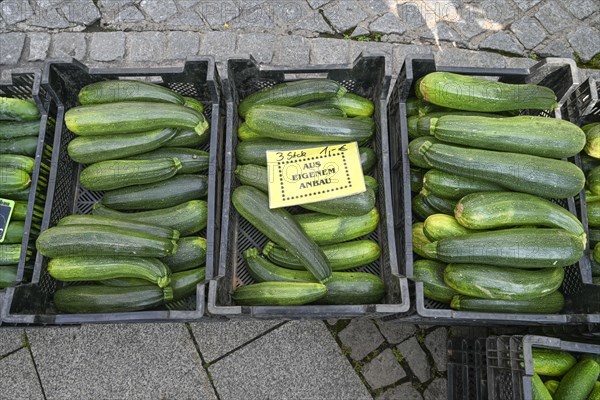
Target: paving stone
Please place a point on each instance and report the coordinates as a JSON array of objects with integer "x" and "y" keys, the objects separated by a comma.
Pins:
[
  {"x": 395, "y": 331},
  {"x": 362, "y": 337},
  {"x": 378, "y": 7},
  {"x": 500, "y": 11},
  {"x": 217, "y": 13},
  {"x": 553, "y": 17},
  {"x": 146, "y": 46},
  {"x": 258, "y": 18},
  {"x": 107, "y": 46},
  {"x": 10, "y": 340},
  {"x": 383, "y": 370},
  {"x": 218, "y": 339},
  {"x": 11, "y": 47},
  {"x": 438, "y": 389},
  {"x": 556, "y": 49},
  {"x": 218, "y": 44},
  {"x": 386, "y": 24},
  {"x": 65, "y": 45},
  {"x": 299, "y": 360},
  {"x": 345, "y": 14},
  {"x": 443, "y": 32},
  {"x": 312, "y": 24},
  {"x": 292, "y": 50},
  {"x": 14, "y": 11},
  {"x": 19, "y": 380},
  {"x": 360, "y": 30},
  {"x": 136, "y": 361},
  {"x": 525, "y": 5},
  {"x": 318, "y": 3},
  {"x": 159, "y": 10},
  {"x": 586, "y": 42},
  {"x": 529, "y": 32},
  {"x": 39, "y": 43},
  {"x": 460, "y": 57},
  {"x": 185, "y": 20},
  {"x": 410, "y": 15},
  {"x": 416, "y": 358},
  {"x": 404, "y": 392},
  {"x": 436, "y": 343},
  {"x": 181, "y": 45},
  {"x": 48, "y": 17},
  {"x": 129, "y": 14},
  {"x": 469, "y": 29},
  {"x": 329, "y": 51},
  {"x": 260, "y": 45},
  {"x": 502, "y": 41},
  {"x": 581, "y": 8},
  {"x": 80, "y": 12}
]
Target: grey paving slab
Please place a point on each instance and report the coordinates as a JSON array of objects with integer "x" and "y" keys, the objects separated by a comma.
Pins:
[
  {"x": 11, "y": 339},
  {"x": 14, "y": 11},
  {"x": 470, "y": 58},
  {"x": 218, "y": 44},
  {"x": 586, "y": 42},
  {"x": 11, "y": 47},
  {"x": 329, "y": 51},
  {"x": 107, "y": 46},
  {"x": 345, "y": 14},
  {"x": 529, "y": 32},
  {"x": 217, "y": 339},
  {"x": 292, "y": 50},
  {"x": 395, "y": 331},
  {"x": 136, "y": 361},
  {"x": 159, "y": 10},
  {"x": 416, "y": 358},
  {"x": 65, "y": 45},
  {"x": 502, "y": 41},
  {"x": 581, "y": 8},
  {"x": 362, "y": 337},
  {"x": 553, "y": 17},
  {"x": 438, "y": 389},
  {"x": 403, "y": 392},
  {"x": 300, "y": 360},
  {"x": 383, "y": 370},
  {"x": 181, "y": 45},
  {"x": 260, "y": 45},
  {"x": 388, "y": 23},
  {"x": 39, "y": 43},
  {"x": 18, "y": 378},
  {"x": 146, "y": 46},
  {"x": 436, "y": 343}
]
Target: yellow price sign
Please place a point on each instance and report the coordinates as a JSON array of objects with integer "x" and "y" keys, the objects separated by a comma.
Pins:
[{"x": 315, "y": 174}]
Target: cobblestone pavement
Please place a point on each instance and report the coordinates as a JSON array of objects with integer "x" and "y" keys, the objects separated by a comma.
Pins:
[{"x": 275, "y": 359}]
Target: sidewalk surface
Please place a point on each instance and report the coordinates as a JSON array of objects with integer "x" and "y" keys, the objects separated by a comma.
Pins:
[{"x": 327, "y": 360}]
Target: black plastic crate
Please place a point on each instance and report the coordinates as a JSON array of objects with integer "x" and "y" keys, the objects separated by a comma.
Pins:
[
  {"x": 25, "y": 84},
  {"x": 198, "y": 78},
  {"x": 510, "y": 363},
  {"x": 366, "y": 77},
  {"x": 467, "y": 369},
  {"x": 559, "y": 74}
]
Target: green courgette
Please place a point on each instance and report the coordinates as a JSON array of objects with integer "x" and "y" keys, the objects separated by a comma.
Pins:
[
  {"x": 441, "y": 226},
  {"x": 540, "y": 392},
  {"x": 13, "y": 129},
  {"x": 421, "y": 125},
  {"x": 325, "y": 109},
  {"x": 184, "y": 283},
  {"x": 431, "y": 273},
  {"x": 421, "y": 208},
  {"x": 107, "y": 299},
  {"x": 551, "y": 385},
  {"x": 419, "y": 240},
  {"x": 16, "y": 161},
  {"x": 111, "y": 175},
  {"x": 416, "y": 179},
  {"x": 353, "y": 105},
  {"x": 18, "y": 110},
  {"x": 19, "y": 211},
  {"x": 188, "y": 138},
  {"x": 14, "y": 232},
  {"x": 415, "y": 156},
  {"x": 93, "y": 149},
  {"x": 551, "y": 304},
  {"x": 279, "y": 294},
  {"x": 113, "y": 91},
  {"x": 192, "y": 160},
  {"x": 595, "y": 393},
  {"x": 18, "y": 195},
  {"x": 194, "y": 104},
  {"x": 445, "y": 206},
  {"x": 550, "y": 362},
  {"x": 8, "y": 275},
  {"x": 120, "y": 223},
  {"x": 191, "y": 253},
  {"x": 329, "y": 229},
  {"x": 593, "y": 181},
  {"x": 25, "y": 146},
  {"x": 593, "y": 212},
  {"x": 450, "y": 186},
  {"x": 10, "y": 254},
  {"x": 245, "y": 133},
  {"x": 579, "y": 382},
  {"x": 588, "y": 163},
  {"x": 13, "y": 179},
  {"x": 592, "y": 145}
]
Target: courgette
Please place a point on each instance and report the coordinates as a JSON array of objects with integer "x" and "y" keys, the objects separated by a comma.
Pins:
[
  {"x": 415, "y": 156},
  {"x": 431, "y": 273},
  {"x": 25, "y": 146},
  {"x": 107, "y": 299},
  {"x": 356, "y": 204},
  {"x": 341, "y": 256},
  {"x": 421, "y": 125},
  {"x": 550, "y": 362},
  {"x": 10, "y": 254},
  {"x": 152, "y": 196},
  {"x": 113, "y": 91},
  {"x": 192, "y": 160},
  {"x": 292, "y": 94},
  {"x": 188, "y": 138},
  {"x": 593, "y": 181},
  {"x": 110, "y": 175},
  {"x": 551, "y": 304},
  {"x": 520, "y": 172},
  {"x": 187, "y": 218},
  {"x": 16, "y": 161},
  {"x": 329, "y": 229},
  {"x": 579, "y": 382},
  {"x": 593, "y": 212},
  {"x": 132, "y": 117},
  {"x": 98, "y": 240},
  {"x": 279, "y": 294},
  {"x": 93, "y": 149},
  {"x": 342, "y": 288},
  {"x": 8, "y": 275},
  {"x": 353, "y": 105},
  {"x": 416, "y": 106},
  {"x": 18, "y": 195},
  {"x": 538, "y": 136},
  {"x": 13, "y": 179},
  {"x": 325, "y": 109},
  {"x": 592, "y": 145},
  {"x": 14, "y": 232},
  {"x": 184, "y": 283},
  {"x": 441, "y": 226},
  {"x": 13, "y": 129},
  {"x": 19, "y": 211},
  {"x": 445, "y": 206},
  {"x": 245, "y": 133},
  {"x": 421, "y": 208},
  {"x": 551, "y": 385},
  {"x": 501, "y": 283},
  {"x": 193, "y": 104},
  {"x": 588, "y": 163},
  {"x": 120, "y": 223},
  {"x": 468, "y": 93},
  {"x": 87, "y": 268},
  {"x": 280, "y": 227},
  {"x": 18, "y": 110},
  {"x": 493, "y": 210},
  {"x": 595, "y": 393},
  {"x": 519, "y": 248},
  {"x": 416, "y": 179},
  {"x": 296, "y": 124},
  {"x": 596, "y": 253},
  {"x": 371, "y": 183},
  {"x": 450, "y": 186},
  {"x": 419, "y": 240},
  {"x": 368, "y": 159},
  {"x": 191, "y": 253},
  {"x": 539, "y": 390}
]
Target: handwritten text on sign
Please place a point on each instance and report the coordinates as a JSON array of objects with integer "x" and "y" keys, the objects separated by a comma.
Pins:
[{"x": 316, "y": 174}]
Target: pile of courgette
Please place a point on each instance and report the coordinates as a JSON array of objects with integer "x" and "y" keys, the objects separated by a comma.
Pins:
[
  {"x": 564, "y": 376},
  {"x": 19, "y": 131},
  {"x": 140, "y": 247},
  {"x": 489, "y": 237},
  {"x": 590, "y": 161},
  {"x": 305, "y": 260}
]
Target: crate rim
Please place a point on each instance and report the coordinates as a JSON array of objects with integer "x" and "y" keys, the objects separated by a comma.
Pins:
[{"x": 307, "y": 311}]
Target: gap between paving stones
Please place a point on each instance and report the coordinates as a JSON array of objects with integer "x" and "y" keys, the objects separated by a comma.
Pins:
[{"x": 204, "y": 365}]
